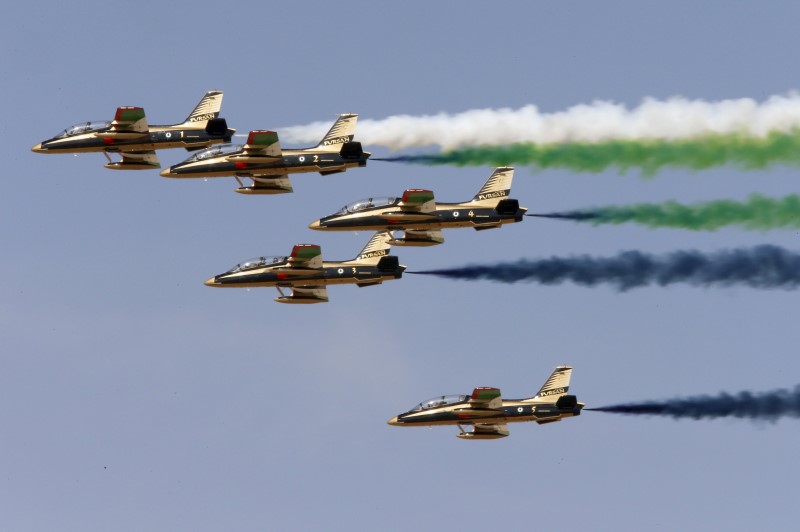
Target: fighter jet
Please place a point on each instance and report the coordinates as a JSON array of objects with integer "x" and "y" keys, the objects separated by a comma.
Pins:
[
  {"x": 130, "y": 136},
  {"x": 307, "y": 275},
  {"x": 489, "y": 414},
  {"x": 422, "y": 219},
  {"x": 268, "y": 166}
]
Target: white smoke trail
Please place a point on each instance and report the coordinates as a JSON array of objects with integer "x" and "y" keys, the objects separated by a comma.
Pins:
[{"x": 672, "y": 119}]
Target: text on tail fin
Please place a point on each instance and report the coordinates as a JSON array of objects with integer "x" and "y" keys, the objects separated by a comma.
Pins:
[
  {"x": 377, "y": 247},
  {"x": 208, "y": 108},
  {"x": 498, "y": 185},
  {"x": 343, "y": 130},
  {"x": 557, "y": 384}
]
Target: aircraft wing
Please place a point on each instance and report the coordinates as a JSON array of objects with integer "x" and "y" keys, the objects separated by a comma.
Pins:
[
  {"x": 261, "y": 147},
  {"x": 305, "y": 295},
  {"x": 129, "y": 123},
  {"x": 306, "y": 257},
  {"x": 138, "y": 160},
  {"x": 271, "y": 184},
  {"x": 417, "y": 200},
  {"x": 486, "y": 398},
  {"x": 433, "y": 236},
  {"x": 485, "y": 430}
]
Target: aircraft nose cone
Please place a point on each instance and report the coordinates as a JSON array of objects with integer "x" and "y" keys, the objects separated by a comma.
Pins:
[
  {"x": 38, "y": 148},
  {"x": 168, "y": 173},
  {"x": 314, "y": 225},
  {"x": 211, "y": 281},
  {"x": 393, "y": 421}
]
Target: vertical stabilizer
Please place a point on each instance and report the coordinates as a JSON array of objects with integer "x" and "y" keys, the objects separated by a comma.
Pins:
[
  {"x": 377, "y": 247},
  {"x": 205, "y": 110},
  {"x": 555, "y": 386},
  {"x": 497, "y": 187},
  {"x": 343, "y": 130}
]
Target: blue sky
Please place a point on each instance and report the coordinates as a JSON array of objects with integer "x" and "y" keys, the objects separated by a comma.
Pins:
[{"x": 132, "y": 397}]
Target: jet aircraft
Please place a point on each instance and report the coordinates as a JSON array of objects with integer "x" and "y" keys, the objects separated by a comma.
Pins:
[
  {"x": 489, "y": 414},
  {"x": 307, "y": 275},
  {"x": 130, "y": 135},
  {"x": 422, "y": 219},
  {"x": 267, "y": 165}
]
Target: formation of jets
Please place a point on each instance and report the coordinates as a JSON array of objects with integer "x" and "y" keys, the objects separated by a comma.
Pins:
[
  {"x": 302, "y": 277},
  {"x": 413, "y": 219}
]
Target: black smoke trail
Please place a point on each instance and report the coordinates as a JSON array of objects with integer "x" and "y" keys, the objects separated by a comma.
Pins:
[
  {"x": 767, "y": 406},
  {"x": 763, "y": 266}
]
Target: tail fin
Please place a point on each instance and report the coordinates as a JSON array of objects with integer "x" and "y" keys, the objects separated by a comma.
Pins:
[
  {"x": 377, "y": 247},
  {"x": 498, "y": 186},
  {"x": 343, "y": 130},
  {"x": 556, "y": 386},
  {"x": 208, "y": 108}
]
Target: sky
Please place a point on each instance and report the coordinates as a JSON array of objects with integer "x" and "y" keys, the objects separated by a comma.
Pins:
[{"x": 132, "y": 397}]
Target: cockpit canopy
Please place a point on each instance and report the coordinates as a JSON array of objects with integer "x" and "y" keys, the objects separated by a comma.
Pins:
[
  {"x": 214, "y": 151},
  {"x": 258, "y": 262},
  {"x": 84, "y": 127},
  {"x": 439, "y": 401},
  {"x": 360, "y": 205}
]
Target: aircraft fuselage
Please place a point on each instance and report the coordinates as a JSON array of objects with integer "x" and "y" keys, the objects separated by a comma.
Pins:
[
  {"x": 157, "y": 138},
  {"x": 290, "y": 162},
  {"x": 331, "y": 273},
  {"x": 446, "y": 215},
  {"x": 511, "y": 411}
]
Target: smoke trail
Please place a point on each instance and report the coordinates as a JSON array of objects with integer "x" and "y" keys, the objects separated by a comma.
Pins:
[
  {"x": 601, "y": 121},
  {"x": 743, "y": 151},
  {"x": 761, "y": 406},
  {"x": 759, "y": 267},
  {"x": 758, "y": 212}
]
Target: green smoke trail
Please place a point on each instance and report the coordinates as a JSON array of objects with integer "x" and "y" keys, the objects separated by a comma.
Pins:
[
  {"x": 757, "y": 213},
  {"x": 739, "y": 150}
]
